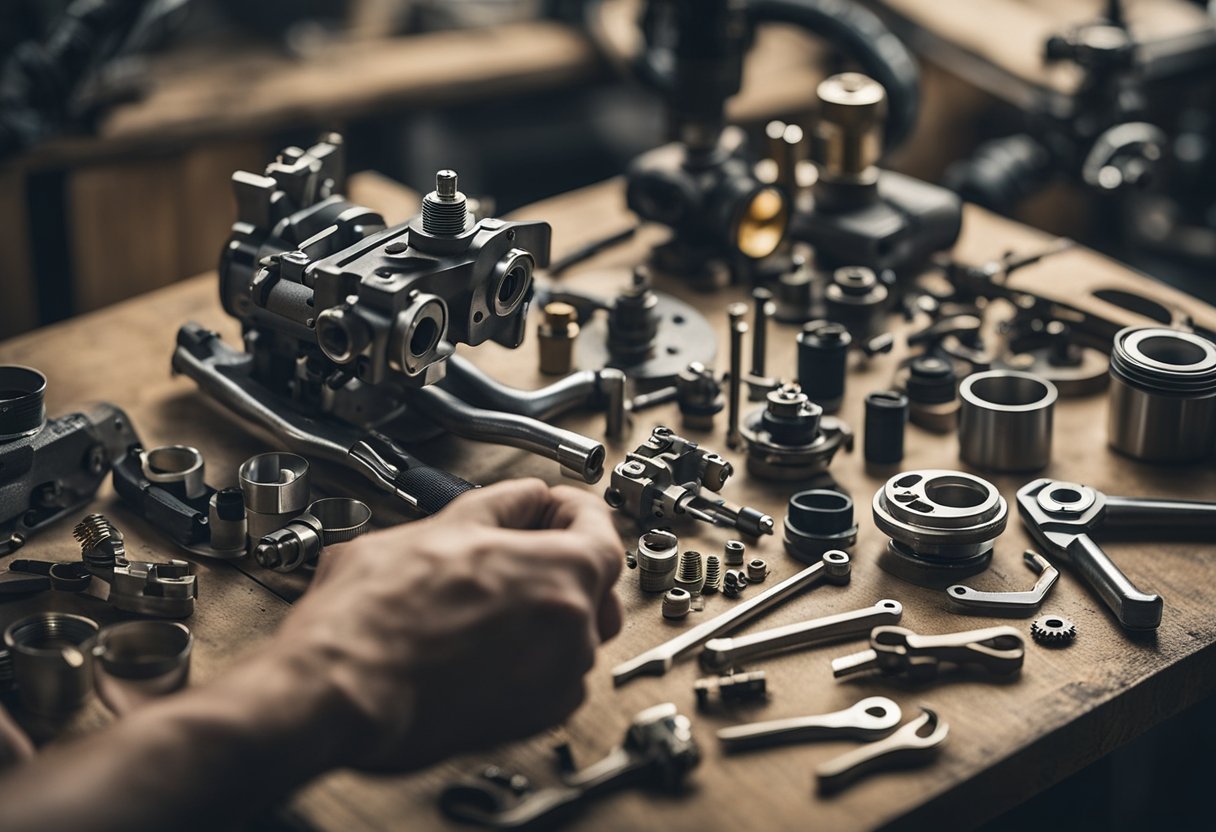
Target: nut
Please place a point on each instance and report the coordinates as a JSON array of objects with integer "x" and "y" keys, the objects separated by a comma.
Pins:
[
  {"x": 676, "y": 604},
  {"x": 735, "y": 551},
  {"x": 757, "y": 570}
]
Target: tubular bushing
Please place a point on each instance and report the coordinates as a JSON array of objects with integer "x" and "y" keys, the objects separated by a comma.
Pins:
[
  {"x": 22, "y": 401},
  {"x": 658, "y": 554},
  {"x": 52, "y": 661},
  {"x": 178, "y": 468},
  {"x": 818, "y": 521},
  {"x": 1004, "y": 420},
  {"x": 1162, "y": 395},
  {"x": 823, "y": 352},
  {"x": 942, "y": 524},
  {"x": 886, "y": 417}
]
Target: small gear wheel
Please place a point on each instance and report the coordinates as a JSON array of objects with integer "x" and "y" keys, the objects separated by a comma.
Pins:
[{"x": 1053, "y": 630}]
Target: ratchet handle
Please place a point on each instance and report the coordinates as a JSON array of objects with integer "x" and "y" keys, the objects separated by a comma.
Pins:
[{"x": 1135, "y": 610}]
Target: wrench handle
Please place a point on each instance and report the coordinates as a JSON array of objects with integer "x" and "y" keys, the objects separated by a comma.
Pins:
[
  {"x": 1135, "y": 610},
  {"x": 1150, "y": 513}
]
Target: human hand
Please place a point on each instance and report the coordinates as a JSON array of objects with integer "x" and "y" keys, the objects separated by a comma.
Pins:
[{"x": 470, "y": 628}]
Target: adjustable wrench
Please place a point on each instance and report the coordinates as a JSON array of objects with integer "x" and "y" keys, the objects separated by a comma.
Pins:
[
  {"x": 659, "y": 751},
  {"x": 1061, "y": 516},
  {"x": 870, "y": 719},
  {"x": 658, "y": 660},
  {"x": 915, "y": 743},
  {"x": 721, "y": 654},
  {"x": 898, "y": 651}
]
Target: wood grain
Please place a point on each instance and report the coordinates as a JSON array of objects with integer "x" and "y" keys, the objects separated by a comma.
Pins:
[{"x": 1008, "y": 741}]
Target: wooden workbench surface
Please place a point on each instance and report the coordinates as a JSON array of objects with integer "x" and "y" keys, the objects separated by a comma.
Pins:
[{"x": 1007, "y": 741}]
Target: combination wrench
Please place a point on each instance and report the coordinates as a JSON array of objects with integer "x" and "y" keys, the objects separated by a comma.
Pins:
[
  {"x": 656, "y": 661},
  {"x": 915, "y": 743},
  {"x": 1062, "y": 516},
  {"x": 870, "y": 719},
  {"x": 721, "y": 654}
]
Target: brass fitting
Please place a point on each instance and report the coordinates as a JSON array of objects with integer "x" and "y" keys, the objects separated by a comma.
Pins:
[
  {"x": 556, "y": 334},
  {"x": 848, "y": 136}
]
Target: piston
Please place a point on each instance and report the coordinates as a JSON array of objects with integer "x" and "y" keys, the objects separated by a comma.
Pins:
[{"x": 1162, "y": 395}]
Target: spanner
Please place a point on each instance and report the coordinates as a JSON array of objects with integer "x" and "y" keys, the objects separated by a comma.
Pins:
[
  {"x": 870, "y": 719},
  {"x": 658, "y": 660},
  {"x": 659, "y": 751},
  {"x": 1062, "y": 515},
  {"x": 721, "y": 654},
  {"x": 1024, "y": 603},
  {"x": 915, "y": 743},
  {"x": 898, "y": 651}
]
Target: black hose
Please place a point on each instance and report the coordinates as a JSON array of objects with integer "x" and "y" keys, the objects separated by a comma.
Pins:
[{"x": 863, "y": 37}]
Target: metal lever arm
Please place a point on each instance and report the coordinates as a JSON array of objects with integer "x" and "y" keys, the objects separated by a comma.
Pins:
[
  {"x": 913, "y": 744},
  {"x": 1136, "y": 610},
  {"x": 896, "y": 650},
  {"x": 1144, "y": 512},
  {"x": 870, "y": 719}
]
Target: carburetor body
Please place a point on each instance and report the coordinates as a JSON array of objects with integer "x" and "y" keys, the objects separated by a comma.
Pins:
[
  {"x": 325, "y": 292},
  {"x": 349, "y": 327}
]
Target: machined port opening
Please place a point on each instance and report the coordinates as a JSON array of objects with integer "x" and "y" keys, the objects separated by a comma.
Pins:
[
  {"x": 1166, "y": 349},
  {"x": 50, "y": 634},
  {"x": 512, "y": 279},
  {"x": 819, "y": 501},
  {"x": 417, "y": 334},
  {"x": 333, "y": 339},
  {"x": 1010, "y": 390},
  {"x": 762, "y": 223},
  {"x": 1066, "y": 496},
  {"x": 425, "y": 337},
  {"x": 955, "y": 494}
]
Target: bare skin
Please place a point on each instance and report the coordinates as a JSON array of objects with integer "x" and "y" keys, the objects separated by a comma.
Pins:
[{"x": 454, "y": 633}]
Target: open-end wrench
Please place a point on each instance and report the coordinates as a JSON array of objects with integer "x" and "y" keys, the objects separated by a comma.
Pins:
[
  {"x": 898, "y": 651},
  {"x": 721, "y": 654},
  {"x": 659, "y": 751},
  {"x": 1061, "y": 516},
  {"x": 915, "y": 743},
  {"x": 966, "y": 599},
  {"x": 870, "y": 719},
  {"x": 656, "y": 661}
]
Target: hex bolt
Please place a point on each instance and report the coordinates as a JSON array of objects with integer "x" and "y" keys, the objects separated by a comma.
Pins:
[
  {"x": 676, "y": 603},
  {"x": 757, "y": 571},
  {"x": 762, "y": 309}
]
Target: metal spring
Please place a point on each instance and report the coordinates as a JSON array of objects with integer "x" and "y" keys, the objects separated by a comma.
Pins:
[
  {"x": 101, "y": 543},
  {"x": 713, "y": 574}
]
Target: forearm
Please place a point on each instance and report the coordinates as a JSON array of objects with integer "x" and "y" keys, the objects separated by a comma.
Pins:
[{"x": 208, "y": 756}]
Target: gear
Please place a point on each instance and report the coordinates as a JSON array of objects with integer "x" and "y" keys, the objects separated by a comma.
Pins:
[{"x": 1054, "y": 630}]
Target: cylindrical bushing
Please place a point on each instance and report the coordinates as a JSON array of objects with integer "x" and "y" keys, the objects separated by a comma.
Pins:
[
  {"x": 823, "y": 352},
  {"x": 818, "y": 521},
  {"x": 1005, "y": 420},
  {"x": 52, "y": 654},
  {"x": 1162, "y": 395},
  {"x": 22, "y": 401},
  {"x": 885, "y": 420}
]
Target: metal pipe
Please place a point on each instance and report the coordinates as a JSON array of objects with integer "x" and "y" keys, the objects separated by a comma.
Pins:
[
  {"x": 576, "y": 390},
  {"x": 577, "y": 454}
]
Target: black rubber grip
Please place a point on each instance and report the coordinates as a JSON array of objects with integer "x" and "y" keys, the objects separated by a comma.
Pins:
[{"x": 434, "y": 488}]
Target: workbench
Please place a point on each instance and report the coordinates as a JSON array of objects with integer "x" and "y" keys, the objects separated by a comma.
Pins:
[{"x": 1007, "y": 741}]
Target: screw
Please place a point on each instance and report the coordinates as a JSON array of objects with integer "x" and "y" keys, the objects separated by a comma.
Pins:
[{"x": 445, "y": 184}]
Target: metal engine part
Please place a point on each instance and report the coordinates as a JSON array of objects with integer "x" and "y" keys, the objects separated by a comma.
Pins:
[
  {"x": 897, "y": 651},
  {"x": 165, "y": 590},
  {"x": 1162, "y": 395},
  {"x": 349, "y": 325},
  {"x": 942, "y": 524},
  {"x": 657, "y": 557},
  {"x": 790, "y": 438},
  {"x": 650, "y": 336},
  {"x": 50, "y": 468},
  {"x": 818, "y": 521},
  {"x": 731, "y": 690},
  {"x": 663, "y": 479},
  {"x": 137, "y": 661},
  {"x": 52, "y": 661},
  {"x": 677, "y": 603},
  {"x": 1005, "y": 421},
  {"x": 966, "y": 599}
]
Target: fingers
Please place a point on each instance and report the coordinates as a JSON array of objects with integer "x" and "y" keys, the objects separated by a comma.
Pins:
[{"x": 512, "y": 504}]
